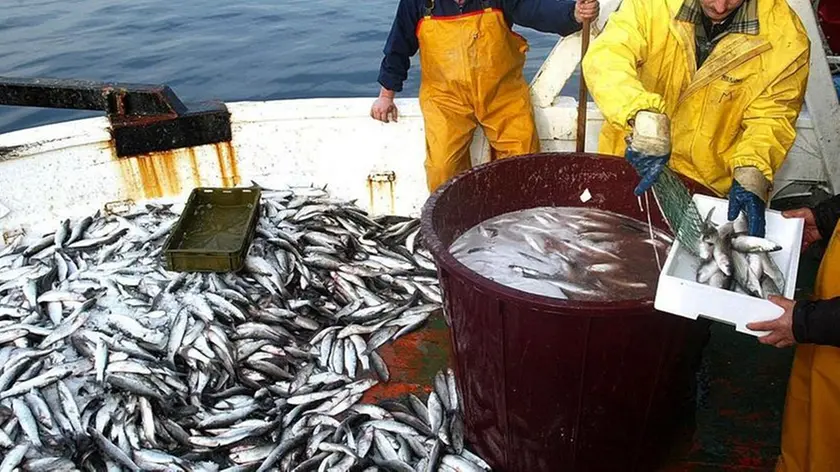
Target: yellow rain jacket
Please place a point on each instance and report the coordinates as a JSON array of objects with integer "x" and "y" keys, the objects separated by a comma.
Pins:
[
  {"x": 812, "y": 408},
  {"x": 738, "y": 109}
]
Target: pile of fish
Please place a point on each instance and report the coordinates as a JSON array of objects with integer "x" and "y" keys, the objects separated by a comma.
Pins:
[
  {"x": 733, "y": 260},
  {"x": 110, "y": 362}
]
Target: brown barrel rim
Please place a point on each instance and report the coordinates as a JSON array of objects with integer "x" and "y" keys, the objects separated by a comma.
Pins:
[{"x": 447, "y": 262}]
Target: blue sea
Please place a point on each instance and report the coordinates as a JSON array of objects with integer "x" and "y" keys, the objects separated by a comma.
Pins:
[{"x": 208, "y": 49}]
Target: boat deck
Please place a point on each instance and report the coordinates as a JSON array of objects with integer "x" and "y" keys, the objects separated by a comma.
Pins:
[{"x": 738, "y": 418}]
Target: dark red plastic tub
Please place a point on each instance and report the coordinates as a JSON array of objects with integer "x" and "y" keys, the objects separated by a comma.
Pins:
[
  {"x": 554, "y": 385},
  {"x": 828, "y": 14}
]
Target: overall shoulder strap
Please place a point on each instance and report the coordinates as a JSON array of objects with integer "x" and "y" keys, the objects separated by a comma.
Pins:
[{"x": 427, "y": 9}]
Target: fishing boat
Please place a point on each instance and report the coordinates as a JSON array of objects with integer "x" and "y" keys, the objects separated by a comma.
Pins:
[{"x": 152, "y": 147}]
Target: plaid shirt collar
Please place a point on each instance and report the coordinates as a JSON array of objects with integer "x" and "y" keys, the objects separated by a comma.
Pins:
[{"x": 745, "y": 20}]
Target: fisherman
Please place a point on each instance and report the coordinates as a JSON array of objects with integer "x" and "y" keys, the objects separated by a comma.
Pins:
[
  {"x": 471, "y": 73},
  {"x": 724, "y": 80},
  {"x": 810, "y": 438}
]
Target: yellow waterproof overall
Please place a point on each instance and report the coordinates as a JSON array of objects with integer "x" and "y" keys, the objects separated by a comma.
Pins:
[
  {"x": 471, "y": 73},
  {"x": 811, "y": 428}
]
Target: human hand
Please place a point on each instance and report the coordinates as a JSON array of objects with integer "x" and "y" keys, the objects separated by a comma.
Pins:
[
  {"x": 748, "y": 194},
  {"x": 741, "y": 199},
  {"x": 811, "y": 233},
  {"x": 648, "y": 168},
  {"x": 781, "y": 329},
  {"x": 649, "y": 147},
  {"x": 383, "y": 108},
  {"x": 586, "y": 10}
]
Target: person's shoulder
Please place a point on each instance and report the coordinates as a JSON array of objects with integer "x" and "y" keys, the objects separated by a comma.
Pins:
[
  {"x": 784, "y": 27},
  {"x": 413, "y": 5},
  {"x": 661, "y": 10}
]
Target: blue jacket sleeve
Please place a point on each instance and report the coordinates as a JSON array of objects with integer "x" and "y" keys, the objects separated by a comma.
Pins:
[
  {"x": 400, "y": 46},
  {"x": 826, "y": 215},
  {"x": 548, "y": 16}
]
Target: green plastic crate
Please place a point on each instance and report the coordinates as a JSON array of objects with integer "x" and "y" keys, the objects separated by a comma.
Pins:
[{"x": 215, "y": 230}]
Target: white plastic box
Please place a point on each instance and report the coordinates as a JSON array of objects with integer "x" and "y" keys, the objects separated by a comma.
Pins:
[{"x": 679, "y": 293}]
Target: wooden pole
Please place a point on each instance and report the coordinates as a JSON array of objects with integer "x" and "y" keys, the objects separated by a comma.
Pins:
[{"x": 581, "y": 123}]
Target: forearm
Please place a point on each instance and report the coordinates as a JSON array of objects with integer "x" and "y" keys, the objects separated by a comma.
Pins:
[
  {"x": 764, "y": 144},
  {"x": 400, "y": 46},
  {"x": 769, "y": 122},
  {"x": 817, "y": 322},
  {"x": 610, "y": 67},
  {"x": 393, "y": 71}
]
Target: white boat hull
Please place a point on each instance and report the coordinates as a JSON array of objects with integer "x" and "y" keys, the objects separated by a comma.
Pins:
[{"x": 70, "y": 169}]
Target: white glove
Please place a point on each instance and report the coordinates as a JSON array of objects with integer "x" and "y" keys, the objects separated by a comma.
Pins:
[{"x": 651, "y": 134}]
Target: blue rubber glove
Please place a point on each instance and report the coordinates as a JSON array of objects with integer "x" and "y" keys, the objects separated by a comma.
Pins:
[
  {"x": 741, "y": 199},
  {"x": 648, "y": 168}
]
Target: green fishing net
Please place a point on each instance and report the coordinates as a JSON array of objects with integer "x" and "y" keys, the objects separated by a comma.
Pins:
[{"x": 679, "y": 209}]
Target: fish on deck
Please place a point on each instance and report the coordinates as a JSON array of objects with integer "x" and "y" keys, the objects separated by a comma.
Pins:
[{"x": 109, "y": 361}]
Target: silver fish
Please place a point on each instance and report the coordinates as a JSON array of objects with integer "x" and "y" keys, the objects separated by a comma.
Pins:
[
  {"x": 719, "y": 280},
  {"x": 768, "y": 287},
  {"x": 112, "y": 451},
  {"x": 27, "y": 421},
  {"x": 706, "y": 271},
  {"x": 14, "y": 458},
  {"x": 721, "y": 249},
  {"x": 62, "y": 233},
  {"x": 78, "y": 229},
  {"x": 379, "y": 366},
  {"x": 452, "y": 389},
  {"x": 459, "y": 464},
  {"x": 772, "y": 271},
  {"x": 442, "y": 390},
  {"x": 745, "y": 243},
  {"x": 745, "y": 277}
]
